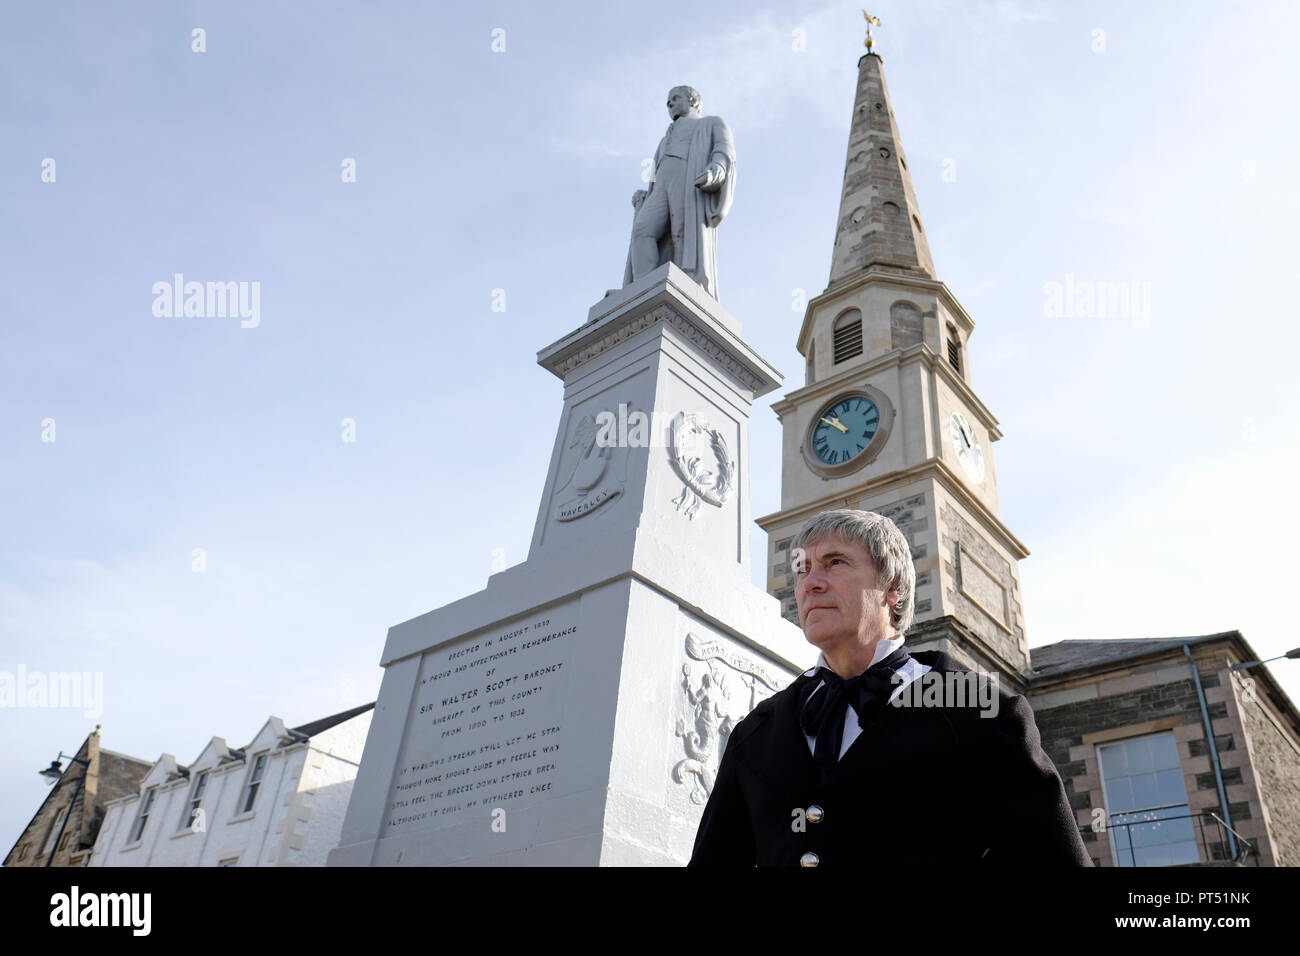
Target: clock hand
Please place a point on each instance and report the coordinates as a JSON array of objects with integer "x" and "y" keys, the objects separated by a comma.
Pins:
[{"x": 835, "y": 423}]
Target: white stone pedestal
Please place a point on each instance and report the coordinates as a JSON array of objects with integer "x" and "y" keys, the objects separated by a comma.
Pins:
[{"x": 574, "y": 711}]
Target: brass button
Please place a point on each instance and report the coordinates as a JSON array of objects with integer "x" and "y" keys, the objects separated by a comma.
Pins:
[
  {"x": 809, "y": 859},
  {"x": 814, "y": 814}
]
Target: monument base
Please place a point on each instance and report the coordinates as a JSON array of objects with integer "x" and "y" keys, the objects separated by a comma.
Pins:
[
  {"x": 581, "y": 729},
  {"x": 574, "y": 712}
]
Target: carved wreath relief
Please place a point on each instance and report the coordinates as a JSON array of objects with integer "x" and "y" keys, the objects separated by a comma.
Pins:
[
  {"x": 721, "y": 688},
  {"x": 701, "y": 457}
]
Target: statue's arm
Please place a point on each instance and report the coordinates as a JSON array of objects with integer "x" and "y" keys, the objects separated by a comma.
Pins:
[
  {"x": 721, "y": 156},
  {"x": 722, "y": 143}
]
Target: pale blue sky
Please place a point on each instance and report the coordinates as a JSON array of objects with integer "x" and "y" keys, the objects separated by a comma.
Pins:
[{"x": 1148, "y": 466}]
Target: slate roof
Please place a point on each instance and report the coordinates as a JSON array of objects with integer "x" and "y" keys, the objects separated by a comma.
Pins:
[
  {"x": 325, "y": 723},
  {"x": 1063, "y": 656},
  {"x": 122, "y": 756}
]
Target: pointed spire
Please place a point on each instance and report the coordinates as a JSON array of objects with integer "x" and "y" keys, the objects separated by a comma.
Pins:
[{"x": 880, "y": 222}]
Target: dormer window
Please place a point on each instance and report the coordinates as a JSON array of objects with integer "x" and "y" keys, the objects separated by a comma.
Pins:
[
  {"x": 146, "y": 807},
  {"x": 196, "y": 800},
  {"x": 254, "y": 782},
  {"x": 847, "y": 333}
]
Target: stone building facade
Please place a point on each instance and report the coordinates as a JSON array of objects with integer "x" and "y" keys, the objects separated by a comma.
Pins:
[
  {"x": 277, "y": 801},
  {"x": 109, "y": 776},
  {"x": 1128, "y": 724}
]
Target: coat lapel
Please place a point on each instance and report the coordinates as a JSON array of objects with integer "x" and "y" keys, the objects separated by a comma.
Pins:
[
  {"x": 902, "y": 733},
  {"x": 792, "y": 741}
]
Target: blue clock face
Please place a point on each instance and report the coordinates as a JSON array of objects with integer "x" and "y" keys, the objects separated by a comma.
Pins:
[{"x": 845, "y": 430}]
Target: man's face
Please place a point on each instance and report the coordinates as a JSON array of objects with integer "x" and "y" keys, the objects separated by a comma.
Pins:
[
  {"x": 835, "y": 589},
  {"x": 679, "y": 103}
]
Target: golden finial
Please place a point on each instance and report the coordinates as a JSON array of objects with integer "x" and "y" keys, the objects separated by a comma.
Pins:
[{"x": 871, "y": 21}]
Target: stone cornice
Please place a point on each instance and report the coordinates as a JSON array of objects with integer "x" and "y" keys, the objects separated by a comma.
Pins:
[
  {"x": 938, "y": 627},
  {"x": 932, "y": 468},
  {"x": 662, "y": 303},
  {"x": 877, "y": 277},
  {"x": 670, "y": 317}
]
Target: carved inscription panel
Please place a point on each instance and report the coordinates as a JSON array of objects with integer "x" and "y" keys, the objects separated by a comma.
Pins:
[{"x": 487, "y": 724}]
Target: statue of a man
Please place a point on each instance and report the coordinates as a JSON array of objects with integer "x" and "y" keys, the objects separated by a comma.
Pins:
[{"x": 694, "y": 178}]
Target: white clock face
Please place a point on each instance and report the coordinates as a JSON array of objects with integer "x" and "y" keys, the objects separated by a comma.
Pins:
[{"x": 967, "y": 446}]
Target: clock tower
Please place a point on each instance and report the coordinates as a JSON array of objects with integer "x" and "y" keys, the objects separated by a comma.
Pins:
[{"x": 887, "y": 419}]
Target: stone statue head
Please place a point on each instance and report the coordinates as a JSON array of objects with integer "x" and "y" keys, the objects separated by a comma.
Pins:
[{"x": 690, "y": 100}]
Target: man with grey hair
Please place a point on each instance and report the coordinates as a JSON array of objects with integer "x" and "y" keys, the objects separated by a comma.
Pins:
[
  {"x": 836, "y": 770},
  {"x": 690, "y": 195}
]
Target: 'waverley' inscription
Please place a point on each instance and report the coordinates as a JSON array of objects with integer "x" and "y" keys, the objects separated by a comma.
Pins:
[{"x": 487, "y": 723}]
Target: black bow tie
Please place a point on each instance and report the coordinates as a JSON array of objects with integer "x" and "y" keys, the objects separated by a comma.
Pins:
[{"x": 823, "y": 702}]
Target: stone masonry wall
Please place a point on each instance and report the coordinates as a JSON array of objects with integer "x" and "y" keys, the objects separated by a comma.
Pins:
[
  {"x": 1063, "y": 729},
  {"x": 1275, "y": 760}
]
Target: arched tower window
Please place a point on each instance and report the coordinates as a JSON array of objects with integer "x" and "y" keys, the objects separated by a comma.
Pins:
[
  {"x": 906, "y": 327},
  {"x": 954, "y": 349},
  {"x": 847, "y": 332}
]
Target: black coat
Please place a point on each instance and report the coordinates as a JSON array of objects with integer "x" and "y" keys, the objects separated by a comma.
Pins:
[{"x": 923, "y": 786}]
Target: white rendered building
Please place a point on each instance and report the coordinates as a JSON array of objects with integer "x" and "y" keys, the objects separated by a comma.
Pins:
[{"x": 279, "y": 801}]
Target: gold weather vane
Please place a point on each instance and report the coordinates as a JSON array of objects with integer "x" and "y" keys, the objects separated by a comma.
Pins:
[{"x": 871, "y": 21}]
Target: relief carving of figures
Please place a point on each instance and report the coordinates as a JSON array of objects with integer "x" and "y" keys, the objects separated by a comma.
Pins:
[
  {"x": 713, "y": 679},
  {"x": 705, "y": 742}
]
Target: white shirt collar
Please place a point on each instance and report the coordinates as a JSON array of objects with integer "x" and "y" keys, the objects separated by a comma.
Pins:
[{"x": 884, "y": 647}]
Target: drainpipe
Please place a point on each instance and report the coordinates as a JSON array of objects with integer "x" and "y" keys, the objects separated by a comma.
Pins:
[{"x": 1214, "y": 751}]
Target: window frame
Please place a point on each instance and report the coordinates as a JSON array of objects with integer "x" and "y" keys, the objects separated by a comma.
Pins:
[
  {"x": 1121, "y": 843},
  {"x": 197, "y": 792},
  {"x": 253, "y": 785},
  {"x": 142, "y": 814}
]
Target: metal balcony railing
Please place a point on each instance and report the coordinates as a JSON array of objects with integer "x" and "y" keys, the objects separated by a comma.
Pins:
[{"x": 1150, "y": 835}]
